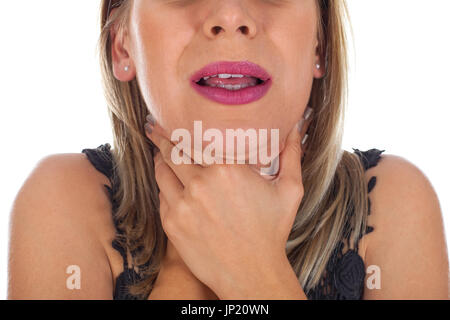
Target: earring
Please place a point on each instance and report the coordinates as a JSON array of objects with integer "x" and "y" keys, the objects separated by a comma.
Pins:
[
  {"x": 318, "y": 66},
  {"x": 126, "y": 68}
]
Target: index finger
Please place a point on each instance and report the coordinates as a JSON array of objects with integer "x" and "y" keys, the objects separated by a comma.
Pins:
[{"x": 185, "y": 169}]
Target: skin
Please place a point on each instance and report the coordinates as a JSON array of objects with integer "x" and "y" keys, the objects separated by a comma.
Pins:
[
  {"x": 65, "y": 200},
  {"x": 163, "y": 56},
  {"x": 208, "y": 230}
]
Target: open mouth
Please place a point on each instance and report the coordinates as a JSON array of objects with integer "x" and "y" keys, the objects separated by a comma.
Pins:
[{"x": 231, "y": 82}]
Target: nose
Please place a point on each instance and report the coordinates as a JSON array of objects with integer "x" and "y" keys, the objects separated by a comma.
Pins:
[{"x": 228, "y": 19}]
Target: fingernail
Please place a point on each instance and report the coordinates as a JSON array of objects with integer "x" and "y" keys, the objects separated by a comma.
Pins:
[
  {"x": 150, "y": 119},
  {"x": 308, "y": 113},
  {"x": 148, "y": 128},
  {"x": 304, "y": 139},
  {"x": 300, "y": 124}
]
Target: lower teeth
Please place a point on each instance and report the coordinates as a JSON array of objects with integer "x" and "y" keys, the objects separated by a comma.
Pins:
[{"x": 232, "y": 86}]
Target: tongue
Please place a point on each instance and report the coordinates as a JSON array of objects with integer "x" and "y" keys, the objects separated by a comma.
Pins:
[{"x": 245, "y": 80}]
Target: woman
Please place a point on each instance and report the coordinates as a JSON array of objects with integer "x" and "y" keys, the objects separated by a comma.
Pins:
[{"x": 222, "y": 231}]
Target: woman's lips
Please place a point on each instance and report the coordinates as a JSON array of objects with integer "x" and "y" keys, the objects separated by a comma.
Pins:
[
  {"x": 231, "y": 83},
  {"x": 233, "y": 97}
]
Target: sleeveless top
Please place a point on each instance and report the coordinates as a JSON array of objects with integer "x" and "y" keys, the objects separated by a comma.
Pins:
[{"x": 344, "y": 274}]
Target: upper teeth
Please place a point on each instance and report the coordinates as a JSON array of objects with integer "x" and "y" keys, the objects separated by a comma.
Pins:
[{"x": 225, "y": 76}]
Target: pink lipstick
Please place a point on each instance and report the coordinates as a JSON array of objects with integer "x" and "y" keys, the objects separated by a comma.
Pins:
[{"x": 232, "y": 83}]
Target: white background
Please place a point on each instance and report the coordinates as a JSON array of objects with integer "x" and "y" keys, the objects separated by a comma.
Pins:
[{"x": 51, "y": 98}]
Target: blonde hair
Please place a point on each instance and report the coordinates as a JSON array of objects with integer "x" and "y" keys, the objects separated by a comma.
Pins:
[{"x": 333, "y": 179}]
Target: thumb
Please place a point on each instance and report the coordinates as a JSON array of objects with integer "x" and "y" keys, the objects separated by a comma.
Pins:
[
  {"x": 290, "y": 164},
  {"x": 290, "y": 157}
]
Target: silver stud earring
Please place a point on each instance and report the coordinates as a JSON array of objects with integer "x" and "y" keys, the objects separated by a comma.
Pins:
[
  {"x": 318, "y": 66},
  {"x": 126, "y": 68}
]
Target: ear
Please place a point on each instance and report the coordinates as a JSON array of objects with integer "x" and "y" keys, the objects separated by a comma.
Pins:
[
  {"x": 120, "y": 53},
  {"x": 318, "y": 73}
]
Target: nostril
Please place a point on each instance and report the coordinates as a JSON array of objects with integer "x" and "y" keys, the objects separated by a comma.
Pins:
[
  {"x": 216, "y": 30},
  {"x": 244, "y": 29}
]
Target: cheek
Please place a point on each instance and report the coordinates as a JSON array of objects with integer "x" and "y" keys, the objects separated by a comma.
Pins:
[
  {"x": 295, "y": 39},
  {"x": 157, "y": 50},
  {"x": 165, "y": 55}
]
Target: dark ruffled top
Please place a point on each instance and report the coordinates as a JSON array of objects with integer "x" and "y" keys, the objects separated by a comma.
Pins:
[{"x": 344, "y": 275}]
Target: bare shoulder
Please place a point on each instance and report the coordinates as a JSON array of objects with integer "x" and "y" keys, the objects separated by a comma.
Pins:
[
  {"x": 408, "y": 241},
  {"x": 403, "y": 194},
  {"x": 69, "y": 180},
  {"x": 59, "y": 224}
]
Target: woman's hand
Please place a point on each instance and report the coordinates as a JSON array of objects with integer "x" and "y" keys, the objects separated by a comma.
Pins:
[{"x": 229, "y": 224}]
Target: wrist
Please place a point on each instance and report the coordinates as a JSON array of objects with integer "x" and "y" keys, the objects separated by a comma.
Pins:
[{"x": 274, "y": 281}]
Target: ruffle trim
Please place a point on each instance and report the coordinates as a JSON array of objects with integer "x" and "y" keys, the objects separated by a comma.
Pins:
[
  {"x": 345, "y": 272},
  {"x": 102, "y": 159}
]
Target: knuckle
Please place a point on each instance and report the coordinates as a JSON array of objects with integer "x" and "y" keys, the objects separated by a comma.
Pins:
[
  {"x": 165, "y": 151},
  {"x": 171, "y": 220},
  {"x": 296, "y": 147},
  {"x": 163, "y": 205},
  {"x": 168, "y": 224},
  {"x": 195, "y": 186},
  {"x": 221, "y": 171},
  {"x": 294, "y": 185},
  {"x": 298, "y": 194},
  {"x": 181, "y": 208}
]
